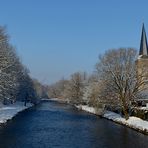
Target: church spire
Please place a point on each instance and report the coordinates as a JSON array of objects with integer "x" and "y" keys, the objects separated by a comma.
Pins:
[{"x": 143, "y": 44}]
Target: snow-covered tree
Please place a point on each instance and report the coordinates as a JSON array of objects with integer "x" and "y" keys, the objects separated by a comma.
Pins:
[
  {"x": 15, "y": 81},
  {"x": 8, "y": 65}
]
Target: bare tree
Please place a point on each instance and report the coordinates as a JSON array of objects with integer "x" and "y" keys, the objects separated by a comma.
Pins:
[
  {"x": 57, "y": 90},
  {"x": 118, "y": 72},
  {"x": 74, "y": 89}
]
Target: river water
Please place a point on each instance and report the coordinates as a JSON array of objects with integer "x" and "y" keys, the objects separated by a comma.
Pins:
[{"x": 55, "y": 125}]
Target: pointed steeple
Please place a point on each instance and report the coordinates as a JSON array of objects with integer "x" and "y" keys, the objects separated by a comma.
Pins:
[{"x": 143, "y": 44}]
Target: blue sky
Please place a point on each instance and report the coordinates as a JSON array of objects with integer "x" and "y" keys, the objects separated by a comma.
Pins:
[{"x": 56, "y": 38}]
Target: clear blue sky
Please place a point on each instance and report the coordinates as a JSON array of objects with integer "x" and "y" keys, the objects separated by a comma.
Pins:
[{"x": 55, "y": 38}]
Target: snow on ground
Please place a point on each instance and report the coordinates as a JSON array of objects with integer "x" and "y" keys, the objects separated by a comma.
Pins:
[
  {"x": 132, "y": 122},
  {"x": 86, "y": 108},
  {"x": 90, "y": 109},
  {"x": 7, "y": 112}
]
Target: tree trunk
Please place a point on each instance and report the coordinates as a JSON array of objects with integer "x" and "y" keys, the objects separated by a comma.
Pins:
[
  {"x": 125, "y": 108},
  {"x": 125, "y": 111}
]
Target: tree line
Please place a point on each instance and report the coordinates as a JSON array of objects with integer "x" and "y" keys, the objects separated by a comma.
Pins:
[
  {"x": 15, "y": 81},
  {"x": 114, "y": 83}
]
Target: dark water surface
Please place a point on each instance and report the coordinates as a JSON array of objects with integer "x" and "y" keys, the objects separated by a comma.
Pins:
[{"x": 51, "y": 125}]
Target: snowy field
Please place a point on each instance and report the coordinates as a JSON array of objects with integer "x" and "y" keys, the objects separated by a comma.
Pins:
[
  {"x": 132, "y": 122},
  {"x": 7, "y": 112}
]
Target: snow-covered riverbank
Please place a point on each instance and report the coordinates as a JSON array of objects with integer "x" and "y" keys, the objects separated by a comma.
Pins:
[
  {"x": 7, "y": 112},
  {"x": 88, "y": 109},
  {"x": 132, "y": 122}
]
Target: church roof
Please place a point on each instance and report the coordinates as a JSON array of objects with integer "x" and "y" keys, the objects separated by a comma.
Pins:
[{"x": 143, "y": 45}]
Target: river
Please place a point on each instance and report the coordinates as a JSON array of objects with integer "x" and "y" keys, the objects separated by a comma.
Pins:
[{"x": 55, "y": 125}]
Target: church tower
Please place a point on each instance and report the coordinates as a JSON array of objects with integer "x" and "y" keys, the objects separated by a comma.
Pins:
[
  {"x": 143, "y": 53},
  {"x": 142, "y": 61}
]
